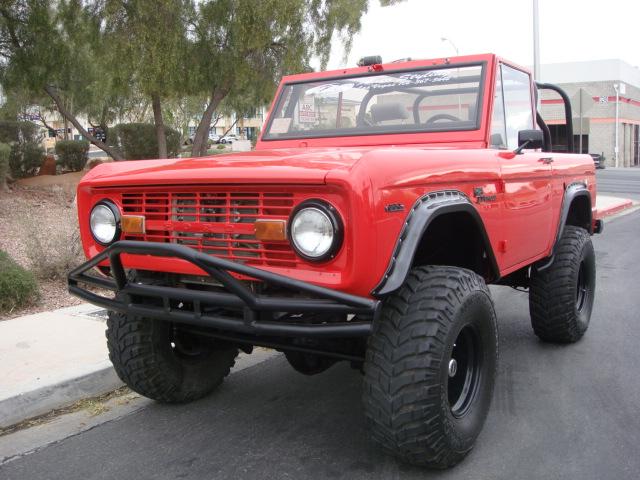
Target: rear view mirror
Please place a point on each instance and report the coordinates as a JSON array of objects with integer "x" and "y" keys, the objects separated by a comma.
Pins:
[{"x": 530, "y": 139}]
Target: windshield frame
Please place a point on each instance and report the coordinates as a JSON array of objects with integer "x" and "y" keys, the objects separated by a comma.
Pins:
[{"x": 385, "y": 130}]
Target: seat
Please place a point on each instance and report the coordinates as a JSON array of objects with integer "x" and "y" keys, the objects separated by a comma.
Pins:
[{"x": 384, "y": 112}]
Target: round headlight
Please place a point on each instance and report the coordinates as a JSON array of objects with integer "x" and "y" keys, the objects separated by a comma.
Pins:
[
  {"x": 104, "y": 223},
  {"x": 316, "y": 232}
]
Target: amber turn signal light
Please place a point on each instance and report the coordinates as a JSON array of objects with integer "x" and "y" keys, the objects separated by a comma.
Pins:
[
  {"x": 271, "y": 230},
  {"x": 132, "y": 224}
]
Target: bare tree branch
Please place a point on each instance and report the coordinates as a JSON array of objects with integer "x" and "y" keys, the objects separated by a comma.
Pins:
[{"x": 113, "y": 152}]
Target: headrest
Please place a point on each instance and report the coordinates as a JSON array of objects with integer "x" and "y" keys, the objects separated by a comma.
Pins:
[{"x": 383, "y": 112}]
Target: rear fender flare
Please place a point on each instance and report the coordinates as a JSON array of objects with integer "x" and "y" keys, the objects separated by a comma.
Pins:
[{"x": 426, "y": 209}]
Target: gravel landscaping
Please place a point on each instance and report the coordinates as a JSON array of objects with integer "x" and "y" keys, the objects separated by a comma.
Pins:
[{"x": 39, "y": 231}]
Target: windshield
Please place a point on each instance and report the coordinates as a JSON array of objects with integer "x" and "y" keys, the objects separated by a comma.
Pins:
[{"x": 426, "y": 100}]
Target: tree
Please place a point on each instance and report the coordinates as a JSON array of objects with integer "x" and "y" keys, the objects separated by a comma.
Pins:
[
  {"x": 241, "y": 48},
  {"x": 52, "y": 48},
  {"x": 231, "y": 52},
  {"x": 98, "y": 57},
  {"x": 149, "y": 38}
]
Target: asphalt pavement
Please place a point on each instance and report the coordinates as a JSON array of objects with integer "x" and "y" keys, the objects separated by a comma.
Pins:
[
  {"x": 558, "y": 411},
  {"x": 621, "y": 182}
]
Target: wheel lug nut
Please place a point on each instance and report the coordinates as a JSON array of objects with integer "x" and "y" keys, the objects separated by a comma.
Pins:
[{"x": 453, "y": 367}]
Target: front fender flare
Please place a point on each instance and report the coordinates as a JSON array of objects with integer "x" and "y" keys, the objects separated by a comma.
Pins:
[
  {"x": 573, "y": 191},
  {"x": 426, "y": 209}
]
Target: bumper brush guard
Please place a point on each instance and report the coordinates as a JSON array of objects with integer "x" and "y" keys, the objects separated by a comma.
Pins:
[{"x": 206, "y": 306}]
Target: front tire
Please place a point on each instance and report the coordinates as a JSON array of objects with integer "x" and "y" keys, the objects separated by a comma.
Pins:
[
  {"x": 561, "y": 296},
  {"x": 430, "y": 366},
  {"x": 159, "y": 361}
]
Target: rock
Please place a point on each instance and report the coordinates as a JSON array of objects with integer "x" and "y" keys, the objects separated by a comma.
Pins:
[{"x": 48, "y": 166}]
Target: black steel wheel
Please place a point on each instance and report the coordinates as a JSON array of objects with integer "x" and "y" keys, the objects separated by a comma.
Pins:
[{"x": 464, "y": 369}]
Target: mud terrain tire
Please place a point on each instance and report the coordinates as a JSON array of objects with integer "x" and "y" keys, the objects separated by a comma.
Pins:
[
  {"x": 420, "y": 408},
  {"x": 159, "y": 363},
  {"x": 561, "y": 296}
]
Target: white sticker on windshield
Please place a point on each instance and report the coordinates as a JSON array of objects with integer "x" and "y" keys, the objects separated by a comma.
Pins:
[
  {"x": 280, "y": 125},
  {"x": 307, "y": 111}
]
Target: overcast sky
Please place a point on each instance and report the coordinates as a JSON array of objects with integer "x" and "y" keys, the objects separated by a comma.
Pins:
[{"x": 570, "y": 30}]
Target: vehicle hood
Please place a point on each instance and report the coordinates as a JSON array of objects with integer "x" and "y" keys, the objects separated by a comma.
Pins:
[{"x": 302, "y": 166}]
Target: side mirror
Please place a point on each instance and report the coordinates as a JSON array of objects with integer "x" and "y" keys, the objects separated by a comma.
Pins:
[{"x": 529, "y": 139}]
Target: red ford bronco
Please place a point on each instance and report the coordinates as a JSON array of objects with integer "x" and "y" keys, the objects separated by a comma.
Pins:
[{"x": 378, "y": 204}]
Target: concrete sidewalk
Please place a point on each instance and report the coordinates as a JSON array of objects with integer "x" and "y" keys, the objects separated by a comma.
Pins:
[
  {"x": 607, "y": 206},
  {"x": 52, "y": 359}
]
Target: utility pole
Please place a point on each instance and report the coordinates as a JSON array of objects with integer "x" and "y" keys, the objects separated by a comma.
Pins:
[
  {"x": 616, "y": 87},
  {"x": 536, "y": 42}
]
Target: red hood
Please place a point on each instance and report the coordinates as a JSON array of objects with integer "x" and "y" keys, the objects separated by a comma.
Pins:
[{"x": 308, "y": 166}]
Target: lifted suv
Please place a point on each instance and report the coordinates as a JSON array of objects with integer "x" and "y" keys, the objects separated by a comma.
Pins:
[{"x": 378, "y": 204}]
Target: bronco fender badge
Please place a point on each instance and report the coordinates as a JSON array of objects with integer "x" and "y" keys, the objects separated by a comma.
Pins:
[
  {"x": 394, "y": 207},
  {"x": 478, "y": 192}
]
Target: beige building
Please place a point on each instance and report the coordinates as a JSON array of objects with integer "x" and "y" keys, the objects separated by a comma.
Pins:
[{"x": 608, "y": 93}]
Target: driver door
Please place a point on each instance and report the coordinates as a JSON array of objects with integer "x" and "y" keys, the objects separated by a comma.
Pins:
[{"x": 526, "y": 178}]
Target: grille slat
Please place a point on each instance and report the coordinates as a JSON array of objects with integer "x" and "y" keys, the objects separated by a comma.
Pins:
[{"x": 214, "y": 222}]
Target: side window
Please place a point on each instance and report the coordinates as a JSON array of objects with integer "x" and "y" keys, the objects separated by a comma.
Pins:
[
  {"x": 498, "y": 138},
  {"x": 516, "y": 87}
]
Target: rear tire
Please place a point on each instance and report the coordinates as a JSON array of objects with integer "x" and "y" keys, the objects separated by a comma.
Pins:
[
  {"x": 161, "y": 363},
  {"x": 430, "y": 366},
  {"x": 561, "y": 296}
]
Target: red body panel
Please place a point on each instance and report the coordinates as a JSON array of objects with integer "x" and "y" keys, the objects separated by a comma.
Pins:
[{"x": 360, "y": 176}]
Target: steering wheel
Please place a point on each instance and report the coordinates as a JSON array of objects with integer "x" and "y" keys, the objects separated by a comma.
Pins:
[{"x": 442, "y": 116}]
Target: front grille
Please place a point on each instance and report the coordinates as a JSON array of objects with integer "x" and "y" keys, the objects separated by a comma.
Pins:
[{"x": 215, "y": 222}]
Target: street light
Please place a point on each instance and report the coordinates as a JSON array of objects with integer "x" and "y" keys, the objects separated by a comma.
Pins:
[{"x": 445, "y": 39}]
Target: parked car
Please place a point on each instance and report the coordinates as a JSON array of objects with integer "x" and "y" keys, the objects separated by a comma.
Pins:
[
  {"x": 598, "y": 159},
  {"x": 214, "y": 138},
  {"x": 368, "y": 237},
  {"x": 229, "y": 138}
]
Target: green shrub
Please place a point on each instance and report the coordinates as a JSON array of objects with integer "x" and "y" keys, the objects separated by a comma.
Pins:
[
  {"x": 72, "y": 154},
  {"x": 26, "y": 153},
  {"x": 18, "y": 287},
  {"x": 138, "y": 141},
  {"x": 25, "y": 159},
  {"x": 221, "y": 147},
  {"x": 62, "y": 245},
  {"x": 5, "y": 151}
]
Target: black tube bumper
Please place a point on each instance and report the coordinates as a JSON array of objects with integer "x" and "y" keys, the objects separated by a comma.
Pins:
[{"x": 211, "y": 309}]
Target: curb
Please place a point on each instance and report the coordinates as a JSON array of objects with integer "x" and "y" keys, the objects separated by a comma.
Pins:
[
  {"x": 103, "y": 379},
  {"x": 56, "y": 395},
  {"x": 614, "y": 209}
]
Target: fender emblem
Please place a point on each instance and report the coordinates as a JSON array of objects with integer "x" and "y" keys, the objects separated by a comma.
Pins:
[
  {"x": 478, "y": 192},
  {"x": 394, "y": 207}
]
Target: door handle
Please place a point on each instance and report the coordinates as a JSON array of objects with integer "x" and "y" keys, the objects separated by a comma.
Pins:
[{"x": 546, "y": 160}]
